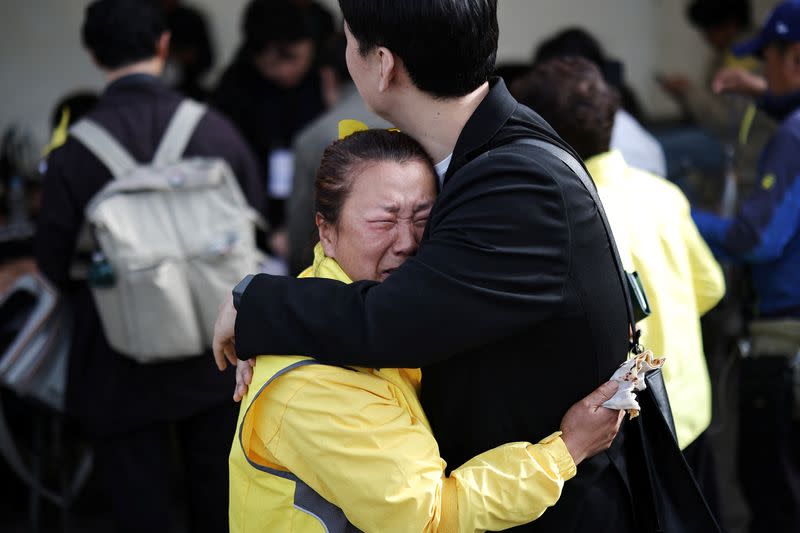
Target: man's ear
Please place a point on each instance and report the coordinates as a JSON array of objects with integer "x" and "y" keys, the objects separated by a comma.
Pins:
[
  {"x": 389, "y": 67},
  {"x": 162, "y": 46},
  {"x": 93, "y": 57},
  {"x": 791, "y": 65},
  {"x": 327, "y": 236}
]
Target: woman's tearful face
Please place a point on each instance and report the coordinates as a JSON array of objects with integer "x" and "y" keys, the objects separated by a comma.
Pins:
[{"x": 382, "y": 220}]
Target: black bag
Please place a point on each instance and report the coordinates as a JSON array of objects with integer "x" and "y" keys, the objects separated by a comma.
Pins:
[{"x": 675, "y": 504}]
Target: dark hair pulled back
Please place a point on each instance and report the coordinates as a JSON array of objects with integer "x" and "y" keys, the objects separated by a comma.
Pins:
[{"x": 344, "y": 157}]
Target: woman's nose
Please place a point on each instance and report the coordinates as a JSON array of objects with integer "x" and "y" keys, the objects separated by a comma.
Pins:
[{"x": 406, "y": 242}]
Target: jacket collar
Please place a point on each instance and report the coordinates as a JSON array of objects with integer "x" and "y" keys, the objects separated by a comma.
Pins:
[
  {"x": 483, "y": 125},
  {"x": 325, "y": 267},
  {"x": 133, "y": 80},
  {"x": 780, "y": 107}
]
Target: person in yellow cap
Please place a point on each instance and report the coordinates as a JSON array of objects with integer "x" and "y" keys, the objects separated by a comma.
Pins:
[{"x": 324, "y": 448}]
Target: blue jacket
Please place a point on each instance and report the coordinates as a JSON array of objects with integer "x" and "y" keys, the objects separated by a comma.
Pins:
[{"x": 766, "y": 231}]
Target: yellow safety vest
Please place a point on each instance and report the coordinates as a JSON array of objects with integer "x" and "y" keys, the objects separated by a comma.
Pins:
[{"x": 268, "y": 498}]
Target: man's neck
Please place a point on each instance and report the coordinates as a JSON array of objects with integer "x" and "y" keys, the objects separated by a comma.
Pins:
[
  {"x": 437, "y": 124},
  {"x": 152, "y": 67}
]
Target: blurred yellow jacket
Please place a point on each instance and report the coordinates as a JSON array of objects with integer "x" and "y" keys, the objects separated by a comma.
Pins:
[
  {"x": 656, "y": 237},
  {"x": 323, "y": 448}
]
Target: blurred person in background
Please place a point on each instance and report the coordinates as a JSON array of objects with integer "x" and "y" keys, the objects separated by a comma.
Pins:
[
  {"x": 136, "y": 413},
  {"x": 640, "y": 148},
  {"x": 765, "y": 235},
  {"x": 271, "y": 91},
  {"x": 310, "y": 145},
  {"x": 656, "y": 237},
  {"x": 320, "y": 20},
  {"x": 738, "y": 124},
  {"x": 191, "y": 53}
]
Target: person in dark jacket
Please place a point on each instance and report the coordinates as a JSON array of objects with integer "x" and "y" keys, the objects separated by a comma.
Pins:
[
  {"x": 765, "y": 235},
  {"x": 513, "y": 305},
  {"x": 191, "y": 50},
  {"x": 133, "y": 412},
  {"x": 270, "y": 92}
]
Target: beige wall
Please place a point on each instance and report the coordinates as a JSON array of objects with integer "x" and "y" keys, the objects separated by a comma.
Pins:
[{"x": 41, "y": 58}]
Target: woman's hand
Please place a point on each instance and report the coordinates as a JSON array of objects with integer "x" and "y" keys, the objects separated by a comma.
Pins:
[
  {"x": 244, "y": 376},
  {"x": 223, "y": 344},
  {"x": 588, "y": 428}
]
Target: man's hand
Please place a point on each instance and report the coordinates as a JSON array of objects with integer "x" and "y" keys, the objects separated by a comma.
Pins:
[
  {"x": 740, "y": 81},
  {"x": 244, "y": 376},
  {"x": 588, "y": 428},
  {"x": 224, "y": 331},
  {"x": 676, "y": 85}
]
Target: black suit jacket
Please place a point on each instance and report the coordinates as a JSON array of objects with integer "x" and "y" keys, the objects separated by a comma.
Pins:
[
  {"x": 108, "y": 392},
  {"x": 512, "y": 306}
]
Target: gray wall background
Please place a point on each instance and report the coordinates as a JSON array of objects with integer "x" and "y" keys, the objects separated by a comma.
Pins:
[{"x": 41, "y": 58}]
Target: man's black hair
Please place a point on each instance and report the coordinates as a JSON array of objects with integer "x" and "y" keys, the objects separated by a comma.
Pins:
[
  {"x": 448, "y": 47},
  {"x": 122, "y": 32},
  {"x": 708, "y": 14},
  {"x": 273, "y": 22}
]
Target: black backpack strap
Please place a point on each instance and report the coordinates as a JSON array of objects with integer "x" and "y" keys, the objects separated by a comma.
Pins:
[{"x": 577, "y": 167}]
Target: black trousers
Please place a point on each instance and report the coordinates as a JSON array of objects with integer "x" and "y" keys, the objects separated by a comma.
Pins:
[
  {"x": 769, "y": 450},
  {"x": 700, "y": 456},
  {"x": 138, "y": 472}
]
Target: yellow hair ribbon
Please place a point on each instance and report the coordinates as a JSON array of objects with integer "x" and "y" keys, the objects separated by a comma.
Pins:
[{"x": 350, "y": 126}]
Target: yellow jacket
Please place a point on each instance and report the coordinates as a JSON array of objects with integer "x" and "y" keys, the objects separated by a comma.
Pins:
[
  {"x": 360, "y": 439},
  {"x": 656, "y": 237}
]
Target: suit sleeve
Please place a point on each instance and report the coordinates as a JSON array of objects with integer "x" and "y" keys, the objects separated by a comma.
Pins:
[
  {"x": 350, "y": 440},
  {"x": 496, "y": 261},
  {"x": 58, "y": 224}
]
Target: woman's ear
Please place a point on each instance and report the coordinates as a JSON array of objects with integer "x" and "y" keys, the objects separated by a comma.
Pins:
[{"x": 327, "y": 236}]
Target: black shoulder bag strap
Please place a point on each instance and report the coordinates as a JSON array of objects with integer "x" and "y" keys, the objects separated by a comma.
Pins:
[{"x": 679, "y": 502}]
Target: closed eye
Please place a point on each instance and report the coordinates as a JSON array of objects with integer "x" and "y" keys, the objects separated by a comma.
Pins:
[{"x": 382, "y": 224}]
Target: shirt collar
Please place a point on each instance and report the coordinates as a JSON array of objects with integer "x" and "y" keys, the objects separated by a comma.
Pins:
[
  {"x": 607, "y": 168},
  {"x": 441, "y": 168}
]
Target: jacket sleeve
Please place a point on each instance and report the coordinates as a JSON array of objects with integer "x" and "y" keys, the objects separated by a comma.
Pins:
[
  {"x": 59, "y": 222},
  {"x": 717, "y": 113},
  {"x": 221, "y": 137},
  {"x": 348, "y": 437},
  {"x": 496, "y": 260},
  {"x": 770, "y": 217},
  {"x": 707, "y": 278}
]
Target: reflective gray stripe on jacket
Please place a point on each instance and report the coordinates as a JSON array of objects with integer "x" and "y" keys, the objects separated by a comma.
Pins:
[{"x": 306, "y": 500}]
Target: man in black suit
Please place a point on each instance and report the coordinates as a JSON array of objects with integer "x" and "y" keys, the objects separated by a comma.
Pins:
[
  {"x": 513, "y": 305},
  {"x": 135, "y": 413}
]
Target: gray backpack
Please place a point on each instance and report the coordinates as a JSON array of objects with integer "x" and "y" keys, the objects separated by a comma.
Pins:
[{"x": 178, "y": 235}]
